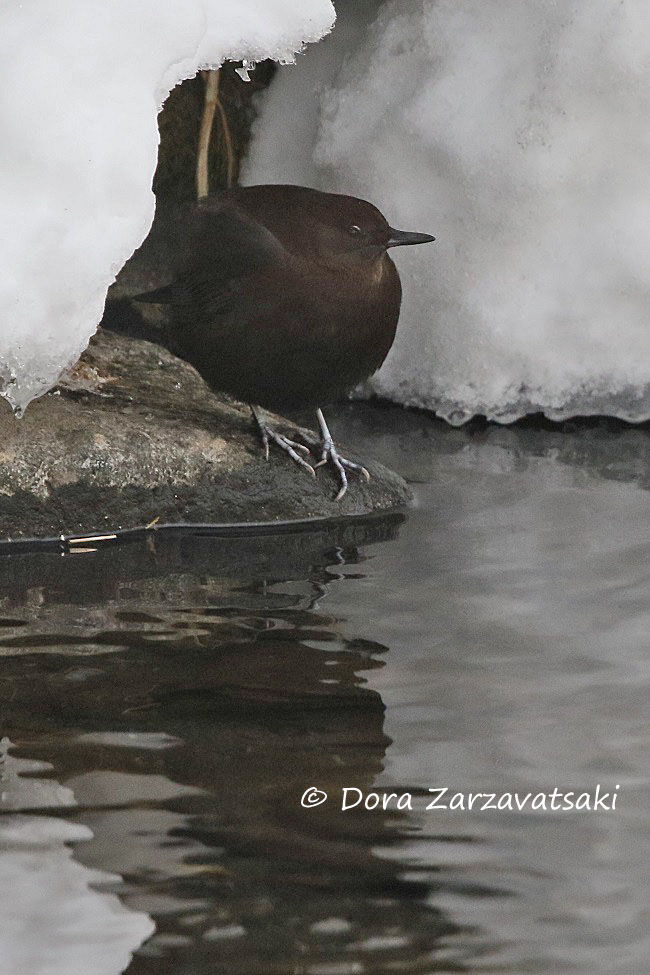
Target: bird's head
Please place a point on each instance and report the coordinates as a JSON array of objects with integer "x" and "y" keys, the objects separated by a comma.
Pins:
[
  {"x": 347, "y": 229},
  {"x": 328, "y": 227}
]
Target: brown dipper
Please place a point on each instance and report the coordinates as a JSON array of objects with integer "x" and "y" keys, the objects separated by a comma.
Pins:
[{"x": 286, "y": 298}]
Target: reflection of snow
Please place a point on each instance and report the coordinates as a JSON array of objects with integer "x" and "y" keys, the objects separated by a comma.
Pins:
[
  {"x": 151, "y": 740},
  {"x": 81, "y": 84},
  {"x": 17, "y": 792},
  {"x": 516, "y": 609},
  {"x": 130, "y": 841},
  {"x": 99, "y": 788},
  {"x": 51, "y": 920}
]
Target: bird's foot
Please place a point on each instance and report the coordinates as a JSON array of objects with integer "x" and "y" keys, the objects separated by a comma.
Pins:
[
  {"x": 291, "y": 447},
  {"x": 330, "y": 454},
  {"x": 269, "y": 435}
]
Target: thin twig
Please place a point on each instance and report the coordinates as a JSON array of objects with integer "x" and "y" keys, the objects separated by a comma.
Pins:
[
  {"x": 227, "y": 138},
  {"x": 211, "y": 99},
  {"x": 212, "y": 102}
]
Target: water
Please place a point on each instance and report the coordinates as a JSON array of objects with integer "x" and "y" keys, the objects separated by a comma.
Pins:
[{"x": 165, "y": 706}]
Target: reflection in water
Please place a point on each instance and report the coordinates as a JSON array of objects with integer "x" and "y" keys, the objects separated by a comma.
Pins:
[
  {"x": 519, "y": 660},
  {"x": 56, "y": 914},
  {"x": 171, "y": 703},
  {"x": 185, "y": 713}
]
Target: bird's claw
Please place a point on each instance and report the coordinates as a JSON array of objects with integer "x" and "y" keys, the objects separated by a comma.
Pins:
[
  {"x": 331, "y": 454},
  {"x": 328, "y": 452},
  {"x": 291, "y": 447}
]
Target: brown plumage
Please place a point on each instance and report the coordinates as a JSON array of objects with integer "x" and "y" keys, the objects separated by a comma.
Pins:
[{"x": 285, "y": 297}]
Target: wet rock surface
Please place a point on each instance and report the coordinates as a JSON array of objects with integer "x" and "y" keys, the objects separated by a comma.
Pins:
[{"x": 132, "y": 434}]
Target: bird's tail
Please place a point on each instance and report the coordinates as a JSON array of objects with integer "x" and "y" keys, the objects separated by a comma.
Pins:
[
  {"x": 159, "y": 296},
  {"x": 122, "y": 317}
]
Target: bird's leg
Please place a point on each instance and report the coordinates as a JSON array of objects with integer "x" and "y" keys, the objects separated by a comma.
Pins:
[
  {"x": 329, "y": 452},
  {"x": 268, "y": 434}
]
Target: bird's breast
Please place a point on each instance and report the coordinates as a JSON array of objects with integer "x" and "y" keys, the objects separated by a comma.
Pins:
[
  {"x": 290, "y": 334},
  {"x": 379, "y": 271},
  {"x": 357, "y": 314}
]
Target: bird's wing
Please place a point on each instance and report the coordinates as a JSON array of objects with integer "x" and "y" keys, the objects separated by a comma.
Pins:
[
  {"x": 223, "y": 245},
  {"x": 228, "y": 293}
]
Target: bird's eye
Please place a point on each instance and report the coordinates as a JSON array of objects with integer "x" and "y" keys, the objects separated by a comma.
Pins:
[{"x": 354, "y": 230}]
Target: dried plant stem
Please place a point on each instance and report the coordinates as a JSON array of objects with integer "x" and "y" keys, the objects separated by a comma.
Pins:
[
  {"x": 210, "y": 104},
  {"x": 227, "y": 138},
  {"x": 211, "y": 98}
]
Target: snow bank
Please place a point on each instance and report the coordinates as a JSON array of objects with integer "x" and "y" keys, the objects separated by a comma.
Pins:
[
  {"x": 516, "y": 131},
  {"x": 81, "y": 83}
]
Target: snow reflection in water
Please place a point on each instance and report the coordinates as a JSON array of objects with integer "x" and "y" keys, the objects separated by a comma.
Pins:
[{"x": 185, "y": 698}]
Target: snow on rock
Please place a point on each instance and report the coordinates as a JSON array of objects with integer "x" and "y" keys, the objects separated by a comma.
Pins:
[
  {"x": 82, "y": 82},
  {"x": 516, "y": 131}
]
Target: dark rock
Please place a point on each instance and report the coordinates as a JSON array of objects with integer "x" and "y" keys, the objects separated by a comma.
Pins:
[{"x": 132, "y": 434}]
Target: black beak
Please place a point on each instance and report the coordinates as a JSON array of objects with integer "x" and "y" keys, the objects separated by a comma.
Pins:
[{"x": 399, "y": 237}]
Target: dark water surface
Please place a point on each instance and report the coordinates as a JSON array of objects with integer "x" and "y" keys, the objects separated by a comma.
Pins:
[{"x": 165, "y": 706}]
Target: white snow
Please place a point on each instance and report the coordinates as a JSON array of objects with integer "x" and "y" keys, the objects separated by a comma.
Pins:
[
  {"x": 81, "y": 83},
  {"x": 517, "y": 132}
]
